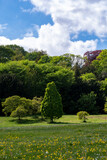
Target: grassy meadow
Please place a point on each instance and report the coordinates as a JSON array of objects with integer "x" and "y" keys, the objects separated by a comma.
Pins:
[{"x": 67, "y": 139}]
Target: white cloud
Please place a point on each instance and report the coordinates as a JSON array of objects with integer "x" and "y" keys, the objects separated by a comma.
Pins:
[
  {"x": 2, "y": 27},
  {"x": 80, "y": 47},
  {"x": 79, "y": 15},
  {"x": 26, "y": 42},
  {"x": 52, "y": 47},
  {"x": 70, "y": 17}
]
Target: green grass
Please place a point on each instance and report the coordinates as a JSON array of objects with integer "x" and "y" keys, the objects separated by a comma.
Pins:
[
  {"x": 67, "y": 139},
  {"x": 65, "y": 119}
]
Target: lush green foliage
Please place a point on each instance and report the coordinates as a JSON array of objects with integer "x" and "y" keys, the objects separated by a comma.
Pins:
[
  {"x": 87, "y": 103},
  {"x": 26, "y": 74},
  {"x": 51, "y": 106},
  {"x": 87, "y": 77},
  {"x": 36, "y": 103},
  {"x": 82, "y": 115},
  {"x": 5, "y": 54},
  {"x": 11, "y": 104},
  {"x": 101, "y": 65},
  {"x": 19, "y": 106},
  {"x": 35, "y": 55},
  {"x": 19, "y": 112},
  {"x": 104, "y": 85},
  {"x": 105, "y": 106}
]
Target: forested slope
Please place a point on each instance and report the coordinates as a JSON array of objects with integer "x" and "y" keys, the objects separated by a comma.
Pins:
[{"x": 81, "y": 81}]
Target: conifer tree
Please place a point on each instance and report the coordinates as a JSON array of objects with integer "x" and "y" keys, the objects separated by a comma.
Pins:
[{"x": 51, "y": 106}]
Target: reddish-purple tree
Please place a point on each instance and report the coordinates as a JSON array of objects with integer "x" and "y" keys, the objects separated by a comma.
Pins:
[{"x": 91, "y": 55}]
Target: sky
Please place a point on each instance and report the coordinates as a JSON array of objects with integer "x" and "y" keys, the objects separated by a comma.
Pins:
[{"x": 55, "y": 26}]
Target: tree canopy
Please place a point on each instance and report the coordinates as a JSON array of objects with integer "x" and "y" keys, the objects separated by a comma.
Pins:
[{"x": 27, "y": 73}]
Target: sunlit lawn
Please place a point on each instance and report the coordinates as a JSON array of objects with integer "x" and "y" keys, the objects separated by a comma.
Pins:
[
  {"x": 67, "y": 139},
  {"x": 65, "y": 119}
]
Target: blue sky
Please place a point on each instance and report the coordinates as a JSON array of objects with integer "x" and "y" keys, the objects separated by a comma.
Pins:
[
  {"x": 19, "y": 21},
  {"x": 56, "y": 26}
]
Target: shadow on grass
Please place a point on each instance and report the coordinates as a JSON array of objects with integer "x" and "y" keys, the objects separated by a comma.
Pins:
[
  {"x": 35, "y": 120},
  {"x": 27, "y": 121},
  {"x": 59, "y": 123}
]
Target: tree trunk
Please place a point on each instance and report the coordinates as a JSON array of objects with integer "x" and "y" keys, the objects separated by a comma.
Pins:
[
  {"x": 19, "y": 118},
  {"x": 84, "y": 119},
  {"x": 51, "y": 119}
]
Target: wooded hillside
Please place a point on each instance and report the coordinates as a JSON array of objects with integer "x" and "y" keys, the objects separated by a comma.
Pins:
[{"x": 81, "y": 81}]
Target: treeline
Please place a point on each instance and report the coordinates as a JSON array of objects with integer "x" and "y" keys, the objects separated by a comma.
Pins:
[{"x": 82, "y": 83}]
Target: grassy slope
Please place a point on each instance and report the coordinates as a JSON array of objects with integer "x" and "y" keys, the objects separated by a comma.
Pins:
[{"x": 67, "y": 139}]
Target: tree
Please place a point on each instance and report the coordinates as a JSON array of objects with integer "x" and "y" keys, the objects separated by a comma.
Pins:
[
  {"x": 104, "y": 85},
  {"x": 13, "y": 77},
  {"x": 105, "y": 106},
  {"x": 100, "y": 65},
  {"x": 36, "y": 103},
  {"x": 5, "y": 54},
  {"x": 44, "y": 59},
  {"x": 82, "y": 115},
  {"x": 67, "y": 60},
  {"x": 19, "y": 52},
  {"x": 1, "y": 113},
  {"x": 51, "y": 106},
  {"x": 12, "y": 103},
  {"x": 91, "y": 55},
  {"x": 60, "y": 61},
  {"x": 88, "y": 77},
  {"x": 87, "y": 102},
  {"x": 76, "y": 68},
  {"x": 19, "y": 112},
  {"x": 35, "y": 55}
]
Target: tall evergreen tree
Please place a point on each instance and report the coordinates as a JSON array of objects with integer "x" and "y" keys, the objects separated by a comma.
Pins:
[{"x": 51, "y": 106}]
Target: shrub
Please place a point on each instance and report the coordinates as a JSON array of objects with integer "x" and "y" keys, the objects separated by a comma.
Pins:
[{"x": 82, "y": 115}]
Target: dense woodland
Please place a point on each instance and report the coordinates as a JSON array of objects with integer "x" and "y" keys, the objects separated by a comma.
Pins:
[{"x": 81, "y": 81}]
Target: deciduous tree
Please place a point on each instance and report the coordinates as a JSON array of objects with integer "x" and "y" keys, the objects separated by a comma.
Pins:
[
  {"x": 19, "y": 112},
  {"x": 87, "y": 102}
]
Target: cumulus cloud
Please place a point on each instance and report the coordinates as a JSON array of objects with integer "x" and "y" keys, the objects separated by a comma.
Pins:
[
  {"x": 79, "y": 15},
  {"x": 69, "y": 18},
  {"x": 53, "y": 48}
]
